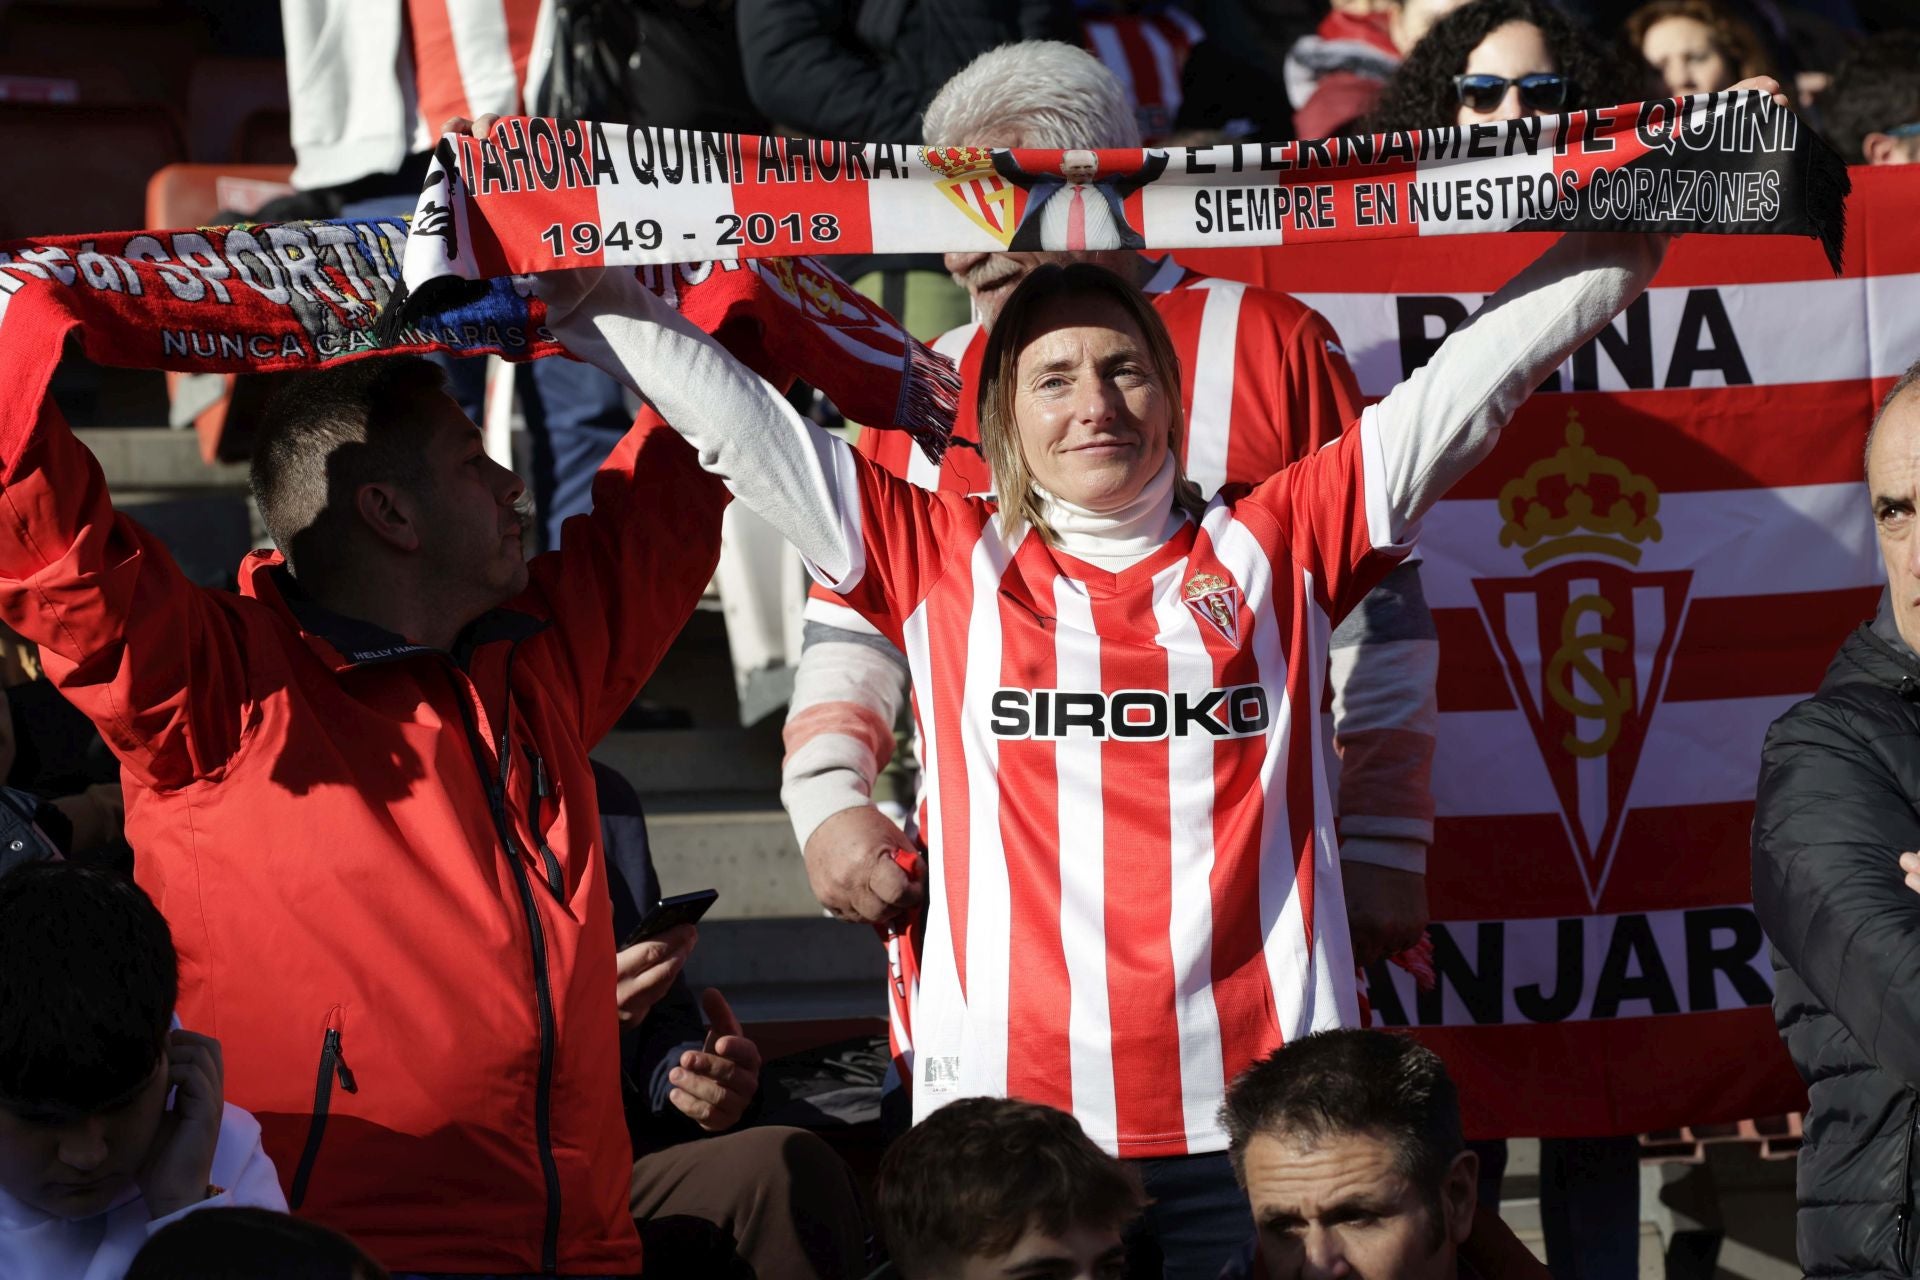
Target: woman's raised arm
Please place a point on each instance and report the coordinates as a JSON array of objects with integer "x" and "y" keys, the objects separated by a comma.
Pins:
[
  {"x": 799, "y": 478},
  {"x": 1434, "y": 427}
]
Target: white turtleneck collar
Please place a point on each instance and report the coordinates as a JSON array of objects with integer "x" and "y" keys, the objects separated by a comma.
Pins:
[{"x": 1118, "y": 539}]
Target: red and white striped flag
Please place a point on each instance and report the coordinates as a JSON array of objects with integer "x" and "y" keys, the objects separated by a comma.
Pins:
[{"x": 1661, "y": 556}]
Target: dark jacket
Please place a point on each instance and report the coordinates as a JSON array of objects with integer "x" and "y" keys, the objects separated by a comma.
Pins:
[
  {"x": 864, "y": 70},
  {"x": 1835, "y": 807},
  {"x": 650, "y": 1050}
]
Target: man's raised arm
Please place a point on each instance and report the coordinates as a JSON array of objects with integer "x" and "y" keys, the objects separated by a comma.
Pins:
[{"x": 151, "y": 658}]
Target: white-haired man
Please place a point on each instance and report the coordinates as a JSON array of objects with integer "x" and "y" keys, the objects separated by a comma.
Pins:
[{"x": 1249, "y": 355}]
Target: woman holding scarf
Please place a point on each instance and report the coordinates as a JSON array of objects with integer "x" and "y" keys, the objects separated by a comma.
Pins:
[{"x": 1133, "y": 879}]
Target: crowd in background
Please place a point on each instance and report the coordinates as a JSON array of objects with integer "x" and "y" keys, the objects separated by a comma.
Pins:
[{"x": 122, "y": 1151}]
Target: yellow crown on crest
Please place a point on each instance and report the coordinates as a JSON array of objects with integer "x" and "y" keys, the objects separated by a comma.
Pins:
[
  {"x": 1579, "y": 502},
  {"x": 957, "y": 162}
]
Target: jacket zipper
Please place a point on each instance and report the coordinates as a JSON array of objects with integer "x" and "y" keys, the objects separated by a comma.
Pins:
[
  {"x": 543, "y": 789},
  {"x": 542, "y": 985},
  {"x": 332, "y": 1064},
  {"x": 1904, "y": 1238}
]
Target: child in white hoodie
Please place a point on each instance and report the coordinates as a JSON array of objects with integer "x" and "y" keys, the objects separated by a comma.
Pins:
[{"x": 112, "y": 1120}]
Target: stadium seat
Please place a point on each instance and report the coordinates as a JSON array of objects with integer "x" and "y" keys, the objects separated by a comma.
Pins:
[
  {"x": 223, "y": 97},
  {"x": 73, "y": 79},
  {"x": 193, "y": 195},
  {"x": 76, "y": 169},
  {"x": 1774, "y": 1137},
  {"x": 265, "y": 136}
]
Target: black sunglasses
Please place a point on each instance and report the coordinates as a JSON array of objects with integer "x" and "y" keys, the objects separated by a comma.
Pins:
[{"x": 1544, "y": 91}]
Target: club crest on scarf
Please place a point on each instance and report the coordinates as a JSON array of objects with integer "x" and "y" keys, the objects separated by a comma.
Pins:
[
  {"x": 1587, "y": 637},
  {"x": 1216, "y": 602},
  {"x": 968, "y": 179}
]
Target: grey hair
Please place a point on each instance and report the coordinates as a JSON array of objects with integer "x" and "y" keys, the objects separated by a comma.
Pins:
[
  {"x": 1907, "y": 381},
  {"x": 1059, "y": 96}
]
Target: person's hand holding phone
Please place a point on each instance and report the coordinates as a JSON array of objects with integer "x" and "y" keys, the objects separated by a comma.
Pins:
[
  {"x": 712, "y": 1087},
  {"x": 645, "y": 971}
]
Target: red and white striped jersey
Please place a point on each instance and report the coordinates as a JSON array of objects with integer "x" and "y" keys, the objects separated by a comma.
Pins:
[
  {"x": 1132, "y": 868},
  {"x": 1265, "y": 383},
  {"x": 1147, "y": 53},
  {"x": 474, "y": 57}
]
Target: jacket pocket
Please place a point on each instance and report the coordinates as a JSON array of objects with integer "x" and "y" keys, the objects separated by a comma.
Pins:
[{"x": 333, "y": 1066}]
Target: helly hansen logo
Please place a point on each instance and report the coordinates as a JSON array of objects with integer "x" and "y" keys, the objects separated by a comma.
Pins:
[{"x": 1142, "y": 715}]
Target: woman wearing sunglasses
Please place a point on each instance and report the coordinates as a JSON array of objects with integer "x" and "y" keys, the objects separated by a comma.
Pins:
[{"x": 1500, "y": 60}]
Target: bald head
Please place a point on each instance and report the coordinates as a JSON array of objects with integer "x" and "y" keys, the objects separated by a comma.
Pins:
[
  {"x": 1893, "y": 487},
  {"x": 1906, "y": 385}
]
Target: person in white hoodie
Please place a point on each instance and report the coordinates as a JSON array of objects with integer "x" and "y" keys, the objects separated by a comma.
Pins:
[{"x": 112, "y": 1120}]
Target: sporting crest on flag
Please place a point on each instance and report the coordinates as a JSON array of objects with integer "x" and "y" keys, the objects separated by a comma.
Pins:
[
  {"x": 1587, "y": 636},
  {"x": 1216, "y": 602},
  {"x": 968, "y": 179}
]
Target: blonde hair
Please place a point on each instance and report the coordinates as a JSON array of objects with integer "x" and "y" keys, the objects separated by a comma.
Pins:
[{"x": 999, "y": 369}]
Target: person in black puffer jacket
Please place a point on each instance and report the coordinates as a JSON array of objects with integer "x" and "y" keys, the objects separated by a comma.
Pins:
[
  {"x": 1838, "y": 803},
  {"x": 865, "y": 71}
]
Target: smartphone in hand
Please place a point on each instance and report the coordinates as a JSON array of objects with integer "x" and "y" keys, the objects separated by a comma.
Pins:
[{"x": 682, "y": 908}]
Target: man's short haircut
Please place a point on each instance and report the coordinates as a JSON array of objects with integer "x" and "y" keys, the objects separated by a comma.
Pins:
[
  {"x": 1905, "y": 383},
  {"x": 1058, "y": 96},
  {"x": 973, "y": 1177},
  {"x": 88, "y": 982},
  {"x": 232, "y": 1243},
  {"x": 326, "y": 433},
  {"x": 1875, "y": 88},
  {"x": 1334, "y": 1083}
]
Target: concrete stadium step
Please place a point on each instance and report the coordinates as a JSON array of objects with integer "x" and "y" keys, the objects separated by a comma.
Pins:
[
  {"x": 723, "y": 758},
  {"x": 696, "y": 676},
  {"x": 148, "y": 458},
  {"x": 747, "y": 853},
  {"x": 792, "y": 967}
]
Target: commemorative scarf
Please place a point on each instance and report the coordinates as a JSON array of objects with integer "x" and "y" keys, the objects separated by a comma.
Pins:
[
  {"x": 542, "y": 195},
  {"x": 299, "y": 295}
]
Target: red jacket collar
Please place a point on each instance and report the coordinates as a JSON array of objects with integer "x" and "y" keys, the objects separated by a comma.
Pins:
[{"x": 343, "y": 642}]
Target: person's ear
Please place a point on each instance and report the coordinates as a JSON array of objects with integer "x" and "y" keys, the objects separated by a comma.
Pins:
[
  {"x": 1460, "y": 1195},
  {"x": 1880, "y": 148},
  {"x": 390, "y": 514}
]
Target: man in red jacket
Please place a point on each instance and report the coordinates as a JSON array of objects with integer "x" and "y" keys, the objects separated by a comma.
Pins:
[{"x": 359, "y": 790}]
